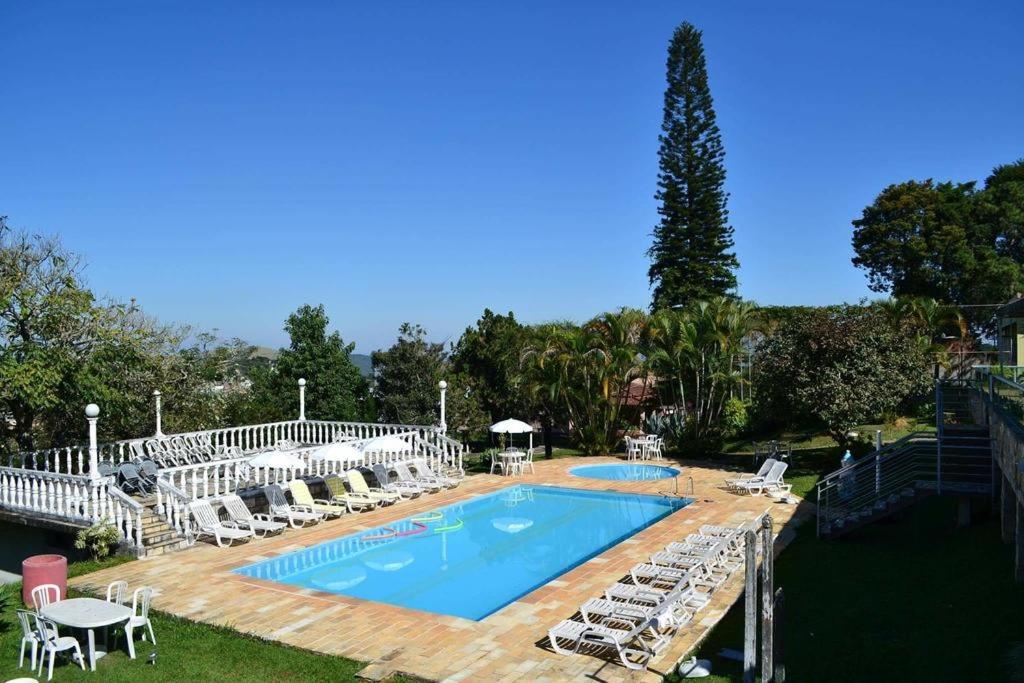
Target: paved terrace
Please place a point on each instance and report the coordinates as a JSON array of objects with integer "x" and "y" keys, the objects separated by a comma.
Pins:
[{"x": 510, "y": 644}]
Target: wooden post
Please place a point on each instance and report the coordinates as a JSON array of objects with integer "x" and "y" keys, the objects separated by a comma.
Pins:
[
  {"x": 1008, "y": 516},
  {"x": 780, "y": 627},
  {"x": 750, "y": 607},
  {"x": 767, "y": 600}
]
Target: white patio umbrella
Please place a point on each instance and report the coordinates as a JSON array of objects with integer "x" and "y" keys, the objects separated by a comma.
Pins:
[
  {"x": 277, "y": 460},
  {"x": 513, "y": 426},
  {"x": 389, "y": 443},
  {"x": 337, "y": 452}
]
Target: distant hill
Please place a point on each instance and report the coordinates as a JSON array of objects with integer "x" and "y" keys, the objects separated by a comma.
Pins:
[
  {"x": 360, "y": 360},
  {"x": 363, "y": 362}
]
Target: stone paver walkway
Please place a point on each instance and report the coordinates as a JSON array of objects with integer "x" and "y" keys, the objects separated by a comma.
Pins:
[{"x": 509, "y": 645}]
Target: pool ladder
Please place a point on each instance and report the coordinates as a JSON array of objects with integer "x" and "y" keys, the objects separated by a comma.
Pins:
[{"x": 675, "y": 487}]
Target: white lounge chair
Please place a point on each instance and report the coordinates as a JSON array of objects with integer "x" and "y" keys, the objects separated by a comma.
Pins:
[
  {"x": 208, "y": 524},
  {"x": 404, "y": 475},
  {"x": 403, "y": 489},
  {"x": 296, "y": 515},
  {"x": 772, "y": 482},
  {"x": 766, "y": 466},
  {"x": 259, "y": 523},
  {"x": 635, "y": 644},
  {"x": 302, "y": 496},
  {"x": 423, "y": 470},
  {"x": 357, "y": 482}
]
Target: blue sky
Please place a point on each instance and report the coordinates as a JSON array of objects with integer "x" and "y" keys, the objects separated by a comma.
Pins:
[{"x": 225, "y": 162}]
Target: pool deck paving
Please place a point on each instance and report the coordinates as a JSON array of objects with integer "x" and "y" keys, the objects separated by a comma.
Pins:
[{"x": 509, "y": 645}]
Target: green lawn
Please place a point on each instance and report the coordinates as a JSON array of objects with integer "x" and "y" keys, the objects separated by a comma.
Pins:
[
  {"x": 914, "y": 599},
  {"x": 187, "y": 651}
]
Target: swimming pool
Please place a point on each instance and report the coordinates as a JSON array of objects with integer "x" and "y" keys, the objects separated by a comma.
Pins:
[
  {"x": 624, "y": 472},
  {"x": 496, "y": 548}
]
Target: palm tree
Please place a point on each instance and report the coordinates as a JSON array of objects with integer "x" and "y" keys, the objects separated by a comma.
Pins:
[
  {"x": 585, "y": 370},
  {"x": 695, "y": 353}
]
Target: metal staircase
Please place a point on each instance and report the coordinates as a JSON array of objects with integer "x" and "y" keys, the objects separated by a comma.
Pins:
[{"x": 956, "y": 458}]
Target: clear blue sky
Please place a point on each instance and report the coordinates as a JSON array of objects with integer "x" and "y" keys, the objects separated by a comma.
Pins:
[{"x": 225, "y": 162}]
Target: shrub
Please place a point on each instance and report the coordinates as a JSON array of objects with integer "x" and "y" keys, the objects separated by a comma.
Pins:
[
  {"x": 735, "y": 419},
  {"x": 99, "y": 539}
]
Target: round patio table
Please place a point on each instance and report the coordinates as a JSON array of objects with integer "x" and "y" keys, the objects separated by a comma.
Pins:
[
  {"x": 511, "y": 460},
  {"x": 89, "y": 614}
]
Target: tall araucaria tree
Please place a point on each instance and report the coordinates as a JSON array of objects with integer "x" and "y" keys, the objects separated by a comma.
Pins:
[{"x": 691, "y": 258}]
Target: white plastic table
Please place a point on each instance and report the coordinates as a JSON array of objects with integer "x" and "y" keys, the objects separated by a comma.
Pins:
[
  {"x": 89, "y": 614},
  {"x": 511, "y": 460}
]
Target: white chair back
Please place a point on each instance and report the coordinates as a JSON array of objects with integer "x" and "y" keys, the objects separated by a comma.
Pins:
[
  {"x": 766, "y": 467},
  {"x": 203, "y": 513},
  {"x": 45, "y": 594},
  {"x": 141, "y": 600},
  {"x": 28, "y": 631},
  {"x": 117, "y": 591},
  {"x": 236, "y": 509}
]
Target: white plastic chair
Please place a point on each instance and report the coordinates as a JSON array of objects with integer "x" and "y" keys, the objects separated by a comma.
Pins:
[
  {"x": 527, "y": 461},
  {"x": 634, "y": 450},
  {"x": 45, "y": 594},
  {"x": 29, "y": 636},
  {"x": 53, "y": 643},
  {"x": 140, "y": 618},
  {"x": 117, "y": 591}
]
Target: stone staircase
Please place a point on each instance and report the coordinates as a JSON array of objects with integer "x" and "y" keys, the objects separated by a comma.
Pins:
[{"x": 158, "y": 537}]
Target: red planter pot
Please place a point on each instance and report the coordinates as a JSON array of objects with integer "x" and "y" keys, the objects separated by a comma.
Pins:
[{"x": 40, "y": 569}]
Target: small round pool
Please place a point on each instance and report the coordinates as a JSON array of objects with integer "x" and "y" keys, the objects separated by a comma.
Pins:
[{"x": 624, "y": 472}]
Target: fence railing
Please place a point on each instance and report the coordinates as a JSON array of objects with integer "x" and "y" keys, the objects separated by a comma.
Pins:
[
  {"x": 909, "y": 462},
  {"x": 75, "y": 499},
  {"x": 248, "y": 438},
  {"x": 231, "y": 475}
]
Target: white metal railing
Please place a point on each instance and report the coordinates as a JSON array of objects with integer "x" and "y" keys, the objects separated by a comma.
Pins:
[{"x": 248, "y": 438}]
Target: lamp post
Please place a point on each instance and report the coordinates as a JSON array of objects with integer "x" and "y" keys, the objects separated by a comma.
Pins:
[
  {"x": 92, "y": 413},
  {"x": 156, "y": 398},
  {"x": 302, "y": 399},
  {"x": 444, "y": 390}
]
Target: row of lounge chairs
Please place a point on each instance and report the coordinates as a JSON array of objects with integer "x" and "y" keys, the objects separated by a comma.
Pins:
[
  {"x": 305, "y": 509},
  {"x": 184, "y": 449},
  {"x": 767, "y": 480},
  {"x": 638, "y": 616}
]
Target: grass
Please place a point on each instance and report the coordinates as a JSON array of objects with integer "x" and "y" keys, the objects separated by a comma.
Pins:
[
  {"x": 914, "y": 599},
  {"x": 186, "y": 651}
]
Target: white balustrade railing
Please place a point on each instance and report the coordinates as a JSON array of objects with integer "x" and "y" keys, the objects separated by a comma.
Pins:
[
  {"x": 230, "y": 475},
  {"x": 70, "y": 498},
  {"x": 173, "y": 507},
  {"x": 248, "y": 438}
]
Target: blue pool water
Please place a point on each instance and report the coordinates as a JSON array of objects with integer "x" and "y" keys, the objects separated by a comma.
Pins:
[
  {"x": 497, "y": 548},
  {"x": 625, "y": 471}
]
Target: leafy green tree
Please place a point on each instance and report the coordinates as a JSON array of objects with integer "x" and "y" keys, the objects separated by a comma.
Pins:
[
  {"x": 406, "y": 385},
  {"x": 691, "y": 258},
  {"x": 488, "y": 355},
  {"x": 840, "y": 367},
  {"x": 406, "y": 378},
  {"x": 947, "y": 241},
  {"x": 335, "y": 390}
]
